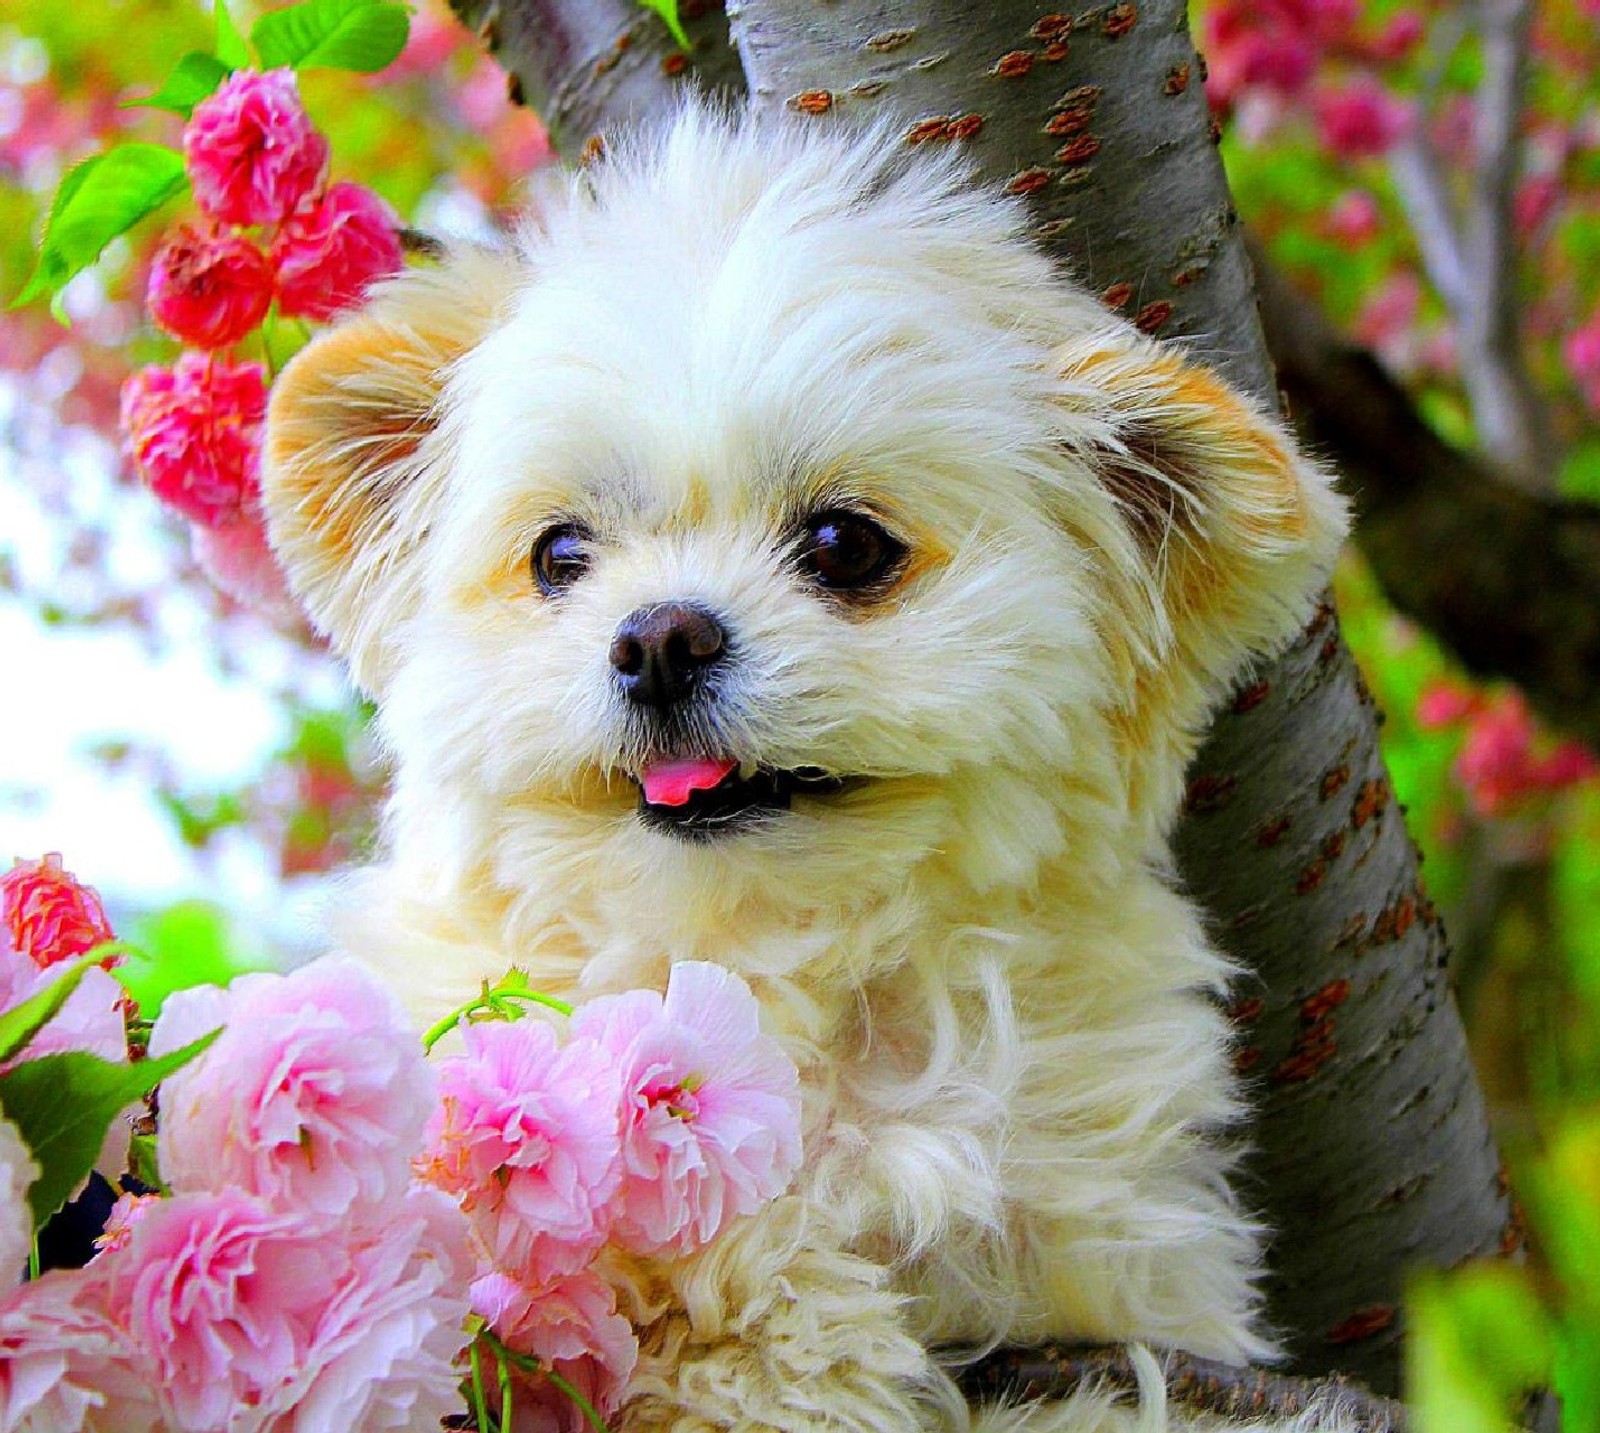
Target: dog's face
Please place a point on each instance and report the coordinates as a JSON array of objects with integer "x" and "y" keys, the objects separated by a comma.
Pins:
[{"x": 776, "y": 522}]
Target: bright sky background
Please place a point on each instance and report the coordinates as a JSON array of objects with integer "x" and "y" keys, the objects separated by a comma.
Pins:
[{"x": 67, "y": 690}]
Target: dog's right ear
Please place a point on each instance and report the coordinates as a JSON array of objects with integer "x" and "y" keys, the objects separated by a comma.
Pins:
[{"x": 350, "y": 475}]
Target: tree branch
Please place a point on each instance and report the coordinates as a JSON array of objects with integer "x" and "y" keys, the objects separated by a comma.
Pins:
[
  {"x": 1199, "y": 1385},
  {"x": 1512, "y": 425},
  {"x": 1471, "y": 255},
  {"x": 1509, "y": 581},
  {"x": 1419, "y": 183}
]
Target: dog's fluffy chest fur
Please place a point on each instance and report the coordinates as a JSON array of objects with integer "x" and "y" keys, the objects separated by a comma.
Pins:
[{"x": 774, "y": 562}]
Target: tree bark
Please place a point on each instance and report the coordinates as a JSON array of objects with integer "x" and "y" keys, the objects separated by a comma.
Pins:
[{"x": 1372, "y": 1147}]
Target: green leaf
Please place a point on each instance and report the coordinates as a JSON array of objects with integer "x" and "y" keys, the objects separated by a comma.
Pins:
[
  {"x": 195, "y": 76},
  {"x": 668, "y": 11},
  {"x": 360, "y": 35},
  {"x": 22, "y": 1022},
  {"x": 1579, "y": 475},
  {"x": 62, "y": 1106},
  {"x": 188, "y": 943},
  {"x": 231, "y": 48},
  {"x": 101, "y": 198}
]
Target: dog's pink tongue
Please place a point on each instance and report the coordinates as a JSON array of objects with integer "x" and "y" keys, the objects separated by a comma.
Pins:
[{"x": 672, "y": 783}]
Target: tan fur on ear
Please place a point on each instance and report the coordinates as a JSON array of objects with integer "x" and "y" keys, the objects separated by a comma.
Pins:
[
  {"x": 347, "y": 476},
  {"x": 1227, "y": 536}
]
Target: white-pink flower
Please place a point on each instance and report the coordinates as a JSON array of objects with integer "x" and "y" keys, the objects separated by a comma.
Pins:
[
  {"x": 64, "y": 1367},
  {"x": 711, "y": 1107},
  {"x": 314, "y": 1097},
  {"x": 573, "y": 1327},
  {"x": 256, "y": 1321},
  {"x": 526, "y": 1136},
  {"x": 17, "y": 1171},
  {"x": 239, "y": 560},
  {"x": 384, "y": 1348},
  {"x": 251, "y": 151}
]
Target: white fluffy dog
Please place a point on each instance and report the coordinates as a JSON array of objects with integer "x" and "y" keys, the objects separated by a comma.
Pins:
[{"x": 774, "y": 562}]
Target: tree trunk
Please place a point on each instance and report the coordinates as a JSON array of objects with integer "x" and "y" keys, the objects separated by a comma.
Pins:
[{"x": 1373, "y": 1151}]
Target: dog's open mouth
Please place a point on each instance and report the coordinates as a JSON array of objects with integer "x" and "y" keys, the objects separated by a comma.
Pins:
[{"x": 708, "y": 796}]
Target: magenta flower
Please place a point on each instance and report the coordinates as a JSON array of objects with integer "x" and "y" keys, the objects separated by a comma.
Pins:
[
  {"x": 252, "y": 153},
  {"x": 313, "y": 1098},
  {"x": 711, "y": 1107},
  {"x": 328, "y": 254},
  {"x": 1361, "y": 119},
  {"x": 209, "y": 286},
  {"x": 526, "y": 1136},
  {"x": 247, "y": 1319},
  {"x": 1581, "y": 350},
  {"x": 49, "y": 914},
  {"x": 572, "y": 1327},
  {"x": 195, "y": 431}
]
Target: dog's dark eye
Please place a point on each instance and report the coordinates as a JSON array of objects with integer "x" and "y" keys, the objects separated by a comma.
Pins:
[
  {"x": 844, "y": 551},
  {"x": 560, "y": 557}
]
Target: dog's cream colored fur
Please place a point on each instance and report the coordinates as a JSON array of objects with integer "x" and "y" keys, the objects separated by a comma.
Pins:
[{"x": 1005, "y": 1014}]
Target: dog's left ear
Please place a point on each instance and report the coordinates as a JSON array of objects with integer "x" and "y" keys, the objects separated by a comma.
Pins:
[
  {"x": 1222, "y": 533},
  {"x": 352, "y": 471}
]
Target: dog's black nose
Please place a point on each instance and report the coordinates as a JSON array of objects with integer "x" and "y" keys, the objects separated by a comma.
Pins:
[{"x": 660, "y": 652}]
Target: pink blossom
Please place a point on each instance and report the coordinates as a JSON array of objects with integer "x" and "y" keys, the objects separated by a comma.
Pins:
[
  {"x": 50, "y": 915},
  {"x": 1496, "y": 759},
  {"x": 248, "y": 1319},
  {"x": 209, "y": 286},
  {"x": 328, "y": 254},
  {"x": 251, "y": 150},
  {"x": 1535, "y": 201},
  {"x": 435, "y": 35},
  {"x": 385, "y": 1347},
  {"x": 17, "y": 1171},
  {"x": 1439, "y": 704},
  {"x": 313, "y": 1098},
  {"x": 125, "y": 1214},
  {"x": 240, "y": 563},
  {"x": 1388, "y": 320},
  {"x": 1581, "y": 350},
  {"x": 572, "y": 1327},
  {"x": 195, "y": 432},
  {"x": 711, "y": 1126},
  {"x": 1401, "y": 34},
  {"x": 526, "y": 1135},
  {"x": 1570, "y": 763},
  {"x": 1354, "y": 218},
  {"x": 1361, "y": 119},
  {"x": 64, "y": 1367}
]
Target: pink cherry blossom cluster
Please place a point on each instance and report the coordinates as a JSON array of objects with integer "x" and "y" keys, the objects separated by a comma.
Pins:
[
  {"x": 342, "y": 1219},
  {"x": 1273, "y": 54},
  {"x": 656, "y": 1122},
  {"x": 1581, "y": 349},
  {"x": 1504, "y": 761},
  {"x": 272, "y": 232},
  {"x": 297, "y": 1277}
]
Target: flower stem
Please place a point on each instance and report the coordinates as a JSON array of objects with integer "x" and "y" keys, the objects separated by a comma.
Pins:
[
  {"x": 480, "y": 1405},
  {"x": 505, "y": 1393},
  {"x": 491, "y": 1002},
  {"x": 584, "y": 1406}
]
